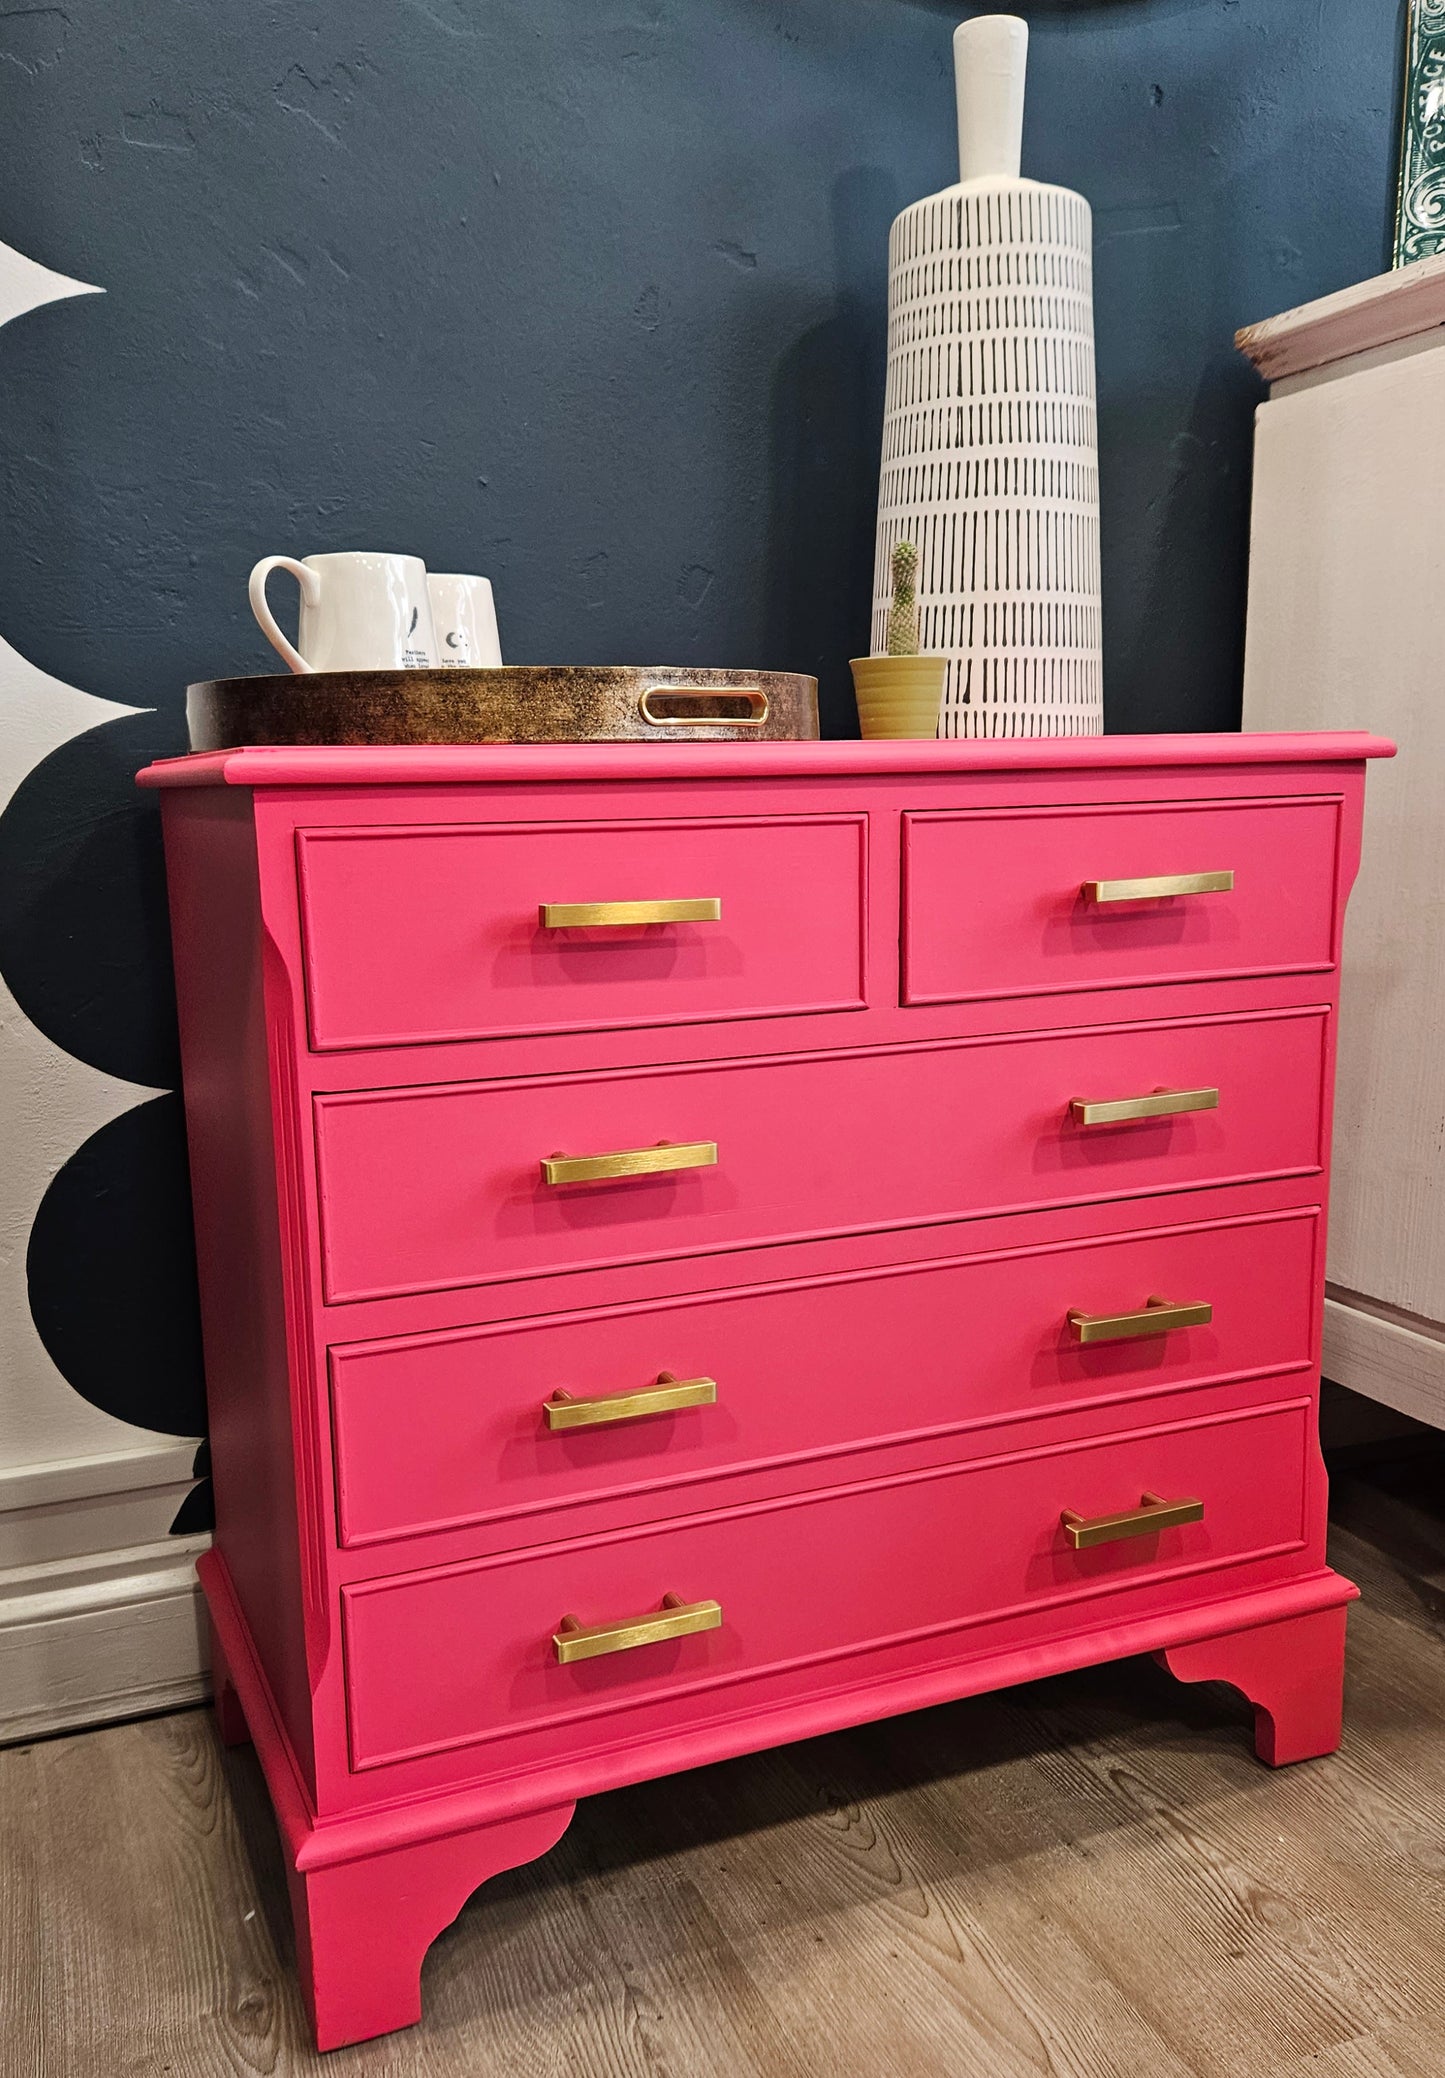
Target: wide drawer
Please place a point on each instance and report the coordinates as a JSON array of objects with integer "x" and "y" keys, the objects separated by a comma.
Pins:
[
  {"x": 1033, "y": 900},
  {"x": 434, "y": 1431},
  {"x": 427, "y": 1188},
  {"x": 466, "y": 1653},
  {"x": 446, "y": 932}
]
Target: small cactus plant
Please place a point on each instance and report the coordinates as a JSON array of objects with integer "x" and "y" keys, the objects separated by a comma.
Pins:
[
  {"x": 900, "y": 692},
  {"x": 903, "y": 611}
]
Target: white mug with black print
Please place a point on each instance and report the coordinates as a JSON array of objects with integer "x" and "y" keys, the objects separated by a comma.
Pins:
[
  {"x": 359, "y": 612},
  {"x": 464, "y": 615}
]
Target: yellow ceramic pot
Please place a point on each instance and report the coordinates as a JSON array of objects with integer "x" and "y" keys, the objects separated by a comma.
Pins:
[{"x": 898, "y": 696}]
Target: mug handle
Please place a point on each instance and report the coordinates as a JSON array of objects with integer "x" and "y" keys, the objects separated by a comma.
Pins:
[{"x": 310, "y": 585}]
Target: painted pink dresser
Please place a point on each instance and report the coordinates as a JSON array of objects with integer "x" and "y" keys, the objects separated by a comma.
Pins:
[{"x": 875, "y": 1256}]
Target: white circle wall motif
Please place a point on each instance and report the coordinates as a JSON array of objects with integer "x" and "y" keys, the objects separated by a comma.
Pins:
[{"x": 990, "y": 454}]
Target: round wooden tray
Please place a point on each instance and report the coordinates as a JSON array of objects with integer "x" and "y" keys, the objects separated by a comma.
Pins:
[{"x": 515, "y": 703}]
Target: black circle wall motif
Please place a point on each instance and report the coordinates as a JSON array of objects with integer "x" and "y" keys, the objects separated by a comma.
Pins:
[
  {"x": 83, "y": 942},
  {"x": 85, "y": 952},
  {"x": 111, "y": 1272}
]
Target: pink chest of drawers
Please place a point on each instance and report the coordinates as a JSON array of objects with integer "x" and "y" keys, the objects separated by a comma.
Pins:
[{"x": 880, "y": 1260}]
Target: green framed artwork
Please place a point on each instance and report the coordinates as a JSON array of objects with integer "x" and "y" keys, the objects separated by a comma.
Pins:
[{"x": 1420, "y": 216}]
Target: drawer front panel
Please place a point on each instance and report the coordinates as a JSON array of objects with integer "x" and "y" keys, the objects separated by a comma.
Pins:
[
  {"x": 438, "y": 1187},
  {"x": 465, "y": 1654},
  {"x": 995, "y": 902},
  {"x": 436, "y": 1431},
  {"x": 437, "y": 933}
]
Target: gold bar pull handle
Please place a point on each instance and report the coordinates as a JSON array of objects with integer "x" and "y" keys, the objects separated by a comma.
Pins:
[
  {"x": 612, "y": 916},
  {"x": 630, "y": 1161},
  {"x": 1152, "y": 1515},
  {"x": 669, "y": 1393},
  {"x": 1157, "y": 1318},
  {"x": 1159, "y": 889},
  {"x": 574, "y": 1640},
  {"x": 1116, "y": 1111}
]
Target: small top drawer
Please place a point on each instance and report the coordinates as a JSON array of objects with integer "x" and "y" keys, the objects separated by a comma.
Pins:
[
  {"x": 1034, "y": 901},
  {"x": 448, "y": 932}
]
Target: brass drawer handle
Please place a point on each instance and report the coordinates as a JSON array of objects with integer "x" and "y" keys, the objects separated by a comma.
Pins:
[
  {"x": 573, "y": 1640},
  {"x": 669, "y": 1393},
  {"x": 610, "y": 916},
  {"x": 704, "y": 696},
  {"x": 1153, "y": 1513},
  {"x": 1157, "y": 1318},
  {"x": 1113, "y": 1111},
  {"x": 629, "y": 1161},
  {"x": 1158, "y": 889}
]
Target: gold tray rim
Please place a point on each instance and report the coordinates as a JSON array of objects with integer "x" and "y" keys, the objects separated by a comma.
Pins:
[
  {"x": 668, "y": 677},
  {"x": 505, "y": 703}
]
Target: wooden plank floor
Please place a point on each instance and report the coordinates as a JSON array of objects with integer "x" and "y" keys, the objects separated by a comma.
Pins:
[{"x": 1087, "y": 1878}]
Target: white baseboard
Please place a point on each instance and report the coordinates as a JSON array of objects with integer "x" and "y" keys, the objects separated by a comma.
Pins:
[
  {"x": 100, "y": 1614},
  {"x": 85, "y": 1640},
  {"x": 1387, "y": 1360},
  {"x": 110, "y": 1501}
]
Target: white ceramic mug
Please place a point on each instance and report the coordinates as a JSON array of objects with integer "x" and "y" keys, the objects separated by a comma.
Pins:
[
  {"x": 359, "y": 612},
  {"x": 464, "y": 615}
]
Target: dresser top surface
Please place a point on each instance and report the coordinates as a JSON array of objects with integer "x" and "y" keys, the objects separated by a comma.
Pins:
[{"x": 353, "y": 765}]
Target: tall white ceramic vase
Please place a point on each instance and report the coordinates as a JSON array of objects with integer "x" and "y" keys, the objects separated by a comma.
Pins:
[{"x": 990, "y": 444}]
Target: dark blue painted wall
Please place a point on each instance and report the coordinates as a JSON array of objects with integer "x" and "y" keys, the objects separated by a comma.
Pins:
[{"x": 587, "y": 295}]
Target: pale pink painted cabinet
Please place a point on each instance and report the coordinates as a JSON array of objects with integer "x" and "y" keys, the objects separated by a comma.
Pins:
[{"x": 952, "y": 1316}]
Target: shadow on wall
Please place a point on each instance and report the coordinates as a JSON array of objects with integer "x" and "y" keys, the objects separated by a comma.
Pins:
[
  {"x": 823, "y": 489},
  {"x": 1170, "y": 275},
  {"x": 1053, "y": 10},
  {"x": 1189, "y": 625}
]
